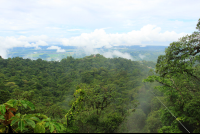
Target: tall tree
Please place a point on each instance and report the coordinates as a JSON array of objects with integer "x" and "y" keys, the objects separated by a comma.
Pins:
[{"x": 179, "y": 73}]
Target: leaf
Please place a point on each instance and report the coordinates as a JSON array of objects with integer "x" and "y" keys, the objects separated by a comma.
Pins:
[
  {"x": 51, "y": 127},
  {"x": 15, "y": 103},
  {"x": 2, "y": 128},
  {"x": 35, "y": 119},
  {"x": 39, "y": 128},
  {"x": 2, "y": 109},
  {"x": 2, "y": 117},
  {"x": 10, "y": 102},
  {"x": 14, "y": 121},
  {"x": 24, "y": 103},
  {"x": 48, "y": 119},
  {"x": 41, "y": 115},
  {"x": 57, "y": 126},
  {"x": 179, "y": 118},
  {"x": 30, "y": 105},
  {"x": 30, "y": 123},
  {"x": 61, "y": 127},
  {"x": 21, "y": 125},
  {"x": 46, "y": 124},
  {"x": 18, "y": 115}
]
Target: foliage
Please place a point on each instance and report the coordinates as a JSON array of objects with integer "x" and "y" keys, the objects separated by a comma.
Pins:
[
  {"x": 178, "y": 72},
  {"x": 153, "y": 122},
  {"x": 91, "y": 103},
  {"x": 7, "y": 118},
  {"x": 110, "y": 90}
]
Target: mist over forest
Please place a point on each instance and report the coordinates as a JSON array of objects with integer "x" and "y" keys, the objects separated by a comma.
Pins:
[
  {"x": 96, "y": 94},
  {"x": 58, "y": 52},
  {"x": 106, "y": 66}
]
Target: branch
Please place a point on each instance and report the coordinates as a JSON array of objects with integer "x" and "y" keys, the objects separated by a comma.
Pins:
[{"x": 177, "y": 89}]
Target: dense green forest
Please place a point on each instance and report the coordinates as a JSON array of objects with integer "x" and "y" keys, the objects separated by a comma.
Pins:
[
  {"x": 110, "y": 89},
  {"x": 98, "y": 94}
]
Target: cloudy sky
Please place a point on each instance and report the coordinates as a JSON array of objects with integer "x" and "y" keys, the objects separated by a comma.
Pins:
[{"x": 95, "y": 23}]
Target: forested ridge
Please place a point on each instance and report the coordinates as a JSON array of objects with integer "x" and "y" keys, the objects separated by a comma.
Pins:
[
  {"x": 111, "y": 86},
  {"x": 98, "y": 94}
]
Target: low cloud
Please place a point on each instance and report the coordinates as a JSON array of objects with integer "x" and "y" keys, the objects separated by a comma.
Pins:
[
  {"x": 141, "y": 56},
  {"x": 56, "y": 47},
  {"x": 97, "y": 39},
  {"x": 30, "y": 56},
  {"x": 48, "y": 59},
  {"x": 111, "y": 54},
  {"x": 3, "y": 53},
  {"x": 117, "y": 54},
  {"x": 39, "y": 43}
]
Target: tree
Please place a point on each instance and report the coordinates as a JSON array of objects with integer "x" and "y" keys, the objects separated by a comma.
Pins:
[
  {"x": 93, "y": 110},
  {"x": 4, "y": 96},
  {"x": 178, "y": 72}
]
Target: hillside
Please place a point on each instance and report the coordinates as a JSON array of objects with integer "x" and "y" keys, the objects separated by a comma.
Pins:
[
  {"x": 98, "y": 94},
  {"x": 50, "y": 85}
]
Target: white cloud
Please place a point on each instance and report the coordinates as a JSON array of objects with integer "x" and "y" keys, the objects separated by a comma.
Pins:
[
  {"x": 111, "y": 54},
  {"x": 96, "y": 39},
  {"x": 55, "y": 28},
  {"x": 129, "y": 22},
  {"x": 60, "y": 50},
  {"x": 51, "y": 17},
  {"x": 57, "y": 59},
  {"x": 10, "y": 42},
  {"x": 23, "y": 41},
  {"x": 141, "y": 56},
  {"x": 39, "y": 43},
  {"x": 53, "y": 47},
  {"x": 34, "y": 38},
  {"x": 73, "y": 29},
  {"x": 48, "y": 59},
  {"x": 56, "y": 47},
  {"x": 118, "y": 54},
  {"x": 3, "y": 53},
  {"x": 37, "y": 47},
  {"x": 100, "y": 38}
]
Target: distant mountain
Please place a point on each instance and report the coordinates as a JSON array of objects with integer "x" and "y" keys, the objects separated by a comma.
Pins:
[{"x": 137, "y": 53}]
